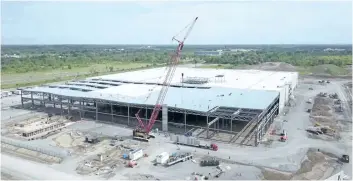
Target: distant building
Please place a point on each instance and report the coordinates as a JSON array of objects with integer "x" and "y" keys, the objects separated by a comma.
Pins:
[
  {"x": 11, "y": 56},
  {"x": 208, "y": 53},
  {"x": 334, "y": 50}
]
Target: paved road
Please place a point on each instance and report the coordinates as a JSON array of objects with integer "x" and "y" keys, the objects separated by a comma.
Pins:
[
  {"x": 348, "y": 115},
  {"x": 31, "y": 170}
]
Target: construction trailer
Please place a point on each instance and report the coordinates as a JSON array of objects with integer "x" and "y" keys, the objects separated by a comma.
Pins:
[
  {"x": 162, "y": 158},
  {"x": 136, "y": 154}
]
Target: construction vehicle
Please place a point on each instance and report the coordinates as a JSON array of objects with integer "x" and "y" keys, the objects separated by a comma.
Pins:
[
  {"x": 132, "y": 163},
  {"x": 345, "y": 158},
  {"x": 192, "y": 141},
  {"x": 174, "y": 159},
  {"x": 284, "y": 136},
  {"x": 142, "y": 132},
  {"x": 205, "y": 163}
]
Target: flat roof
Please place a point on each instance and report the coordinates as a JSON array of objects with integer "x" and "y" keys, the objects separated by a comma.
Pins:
[
  {"x": 243, "y": 79},
  {"x": 185, "y": 98}
]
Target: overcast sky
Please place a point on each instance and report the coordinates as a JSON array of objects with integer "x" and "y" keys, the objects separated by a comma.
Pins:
[{"x": 270, "y": 22}]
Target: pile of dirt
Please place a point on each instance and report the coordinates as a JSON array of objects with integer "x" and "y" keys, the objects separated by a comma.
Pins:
[
  {"x": 316, "y": 166},
  {"x": 321, "y": 107},
  {"x": 276, "y": 66},
  {"x": 269, "y": 174},
  {"x": 286, "y": 67}
]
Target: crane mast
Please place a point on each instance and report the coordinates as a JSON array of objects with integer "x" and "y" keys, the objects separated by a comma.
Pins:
[{"x": 166, "y": 83}]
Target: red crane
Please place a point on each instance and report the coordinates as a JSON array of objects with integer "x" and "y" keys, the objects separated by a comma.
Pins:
[{"x": 142, "y": 131}]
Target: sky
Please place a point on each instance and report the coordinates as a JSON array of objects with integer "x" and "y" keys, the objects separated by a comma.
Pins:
[{"x": 251, "y": 22}]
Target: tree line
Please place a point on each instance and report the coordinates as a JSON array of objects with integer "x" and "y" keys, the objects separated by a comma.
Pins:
[
  {"x": 294, "y": 58},
  {"x": 36, "y": 58}
]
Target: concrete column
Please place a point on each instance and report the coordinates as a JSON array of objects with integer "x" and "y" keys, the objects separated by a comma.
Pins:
[
  {"x": 96, "y": 111},
  {"x": 231, "y": 124},
  {"x": 208, "y": 127},
  {"x": 21, "y": 99},
  {"x": 69, "y": 106},
  {"x": 43, "y": 99},
  {"x": 80, "y": 110},
  {"x": 111, "y": 111},
  {"x": 146, "y": 118},
  {"x": 32, "y": 99},
  {"x": 128, "y": 114},
  {"x": 61, "y": 103},
  {"x": 185, "y": 121},
  {"x": 164, "y": 117}
]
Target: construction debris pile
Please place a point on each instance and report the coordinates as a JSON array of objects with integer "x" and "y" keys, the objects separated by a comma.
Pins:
[
  {"x": 117, "y": 155},
  {"x": 317, "y": 166},
  {"x": 38, "y": 127},
  {"x": 325, "y": 126}
]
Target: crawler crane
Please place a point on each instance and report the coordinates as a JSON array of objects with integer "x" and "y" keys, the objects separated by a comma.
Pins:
[{"x": 142, "y": 131}]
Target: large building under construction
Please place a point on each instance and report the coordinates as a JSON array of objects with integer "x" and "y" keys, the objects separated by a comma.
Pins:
[{"x": 235, "y": 106}]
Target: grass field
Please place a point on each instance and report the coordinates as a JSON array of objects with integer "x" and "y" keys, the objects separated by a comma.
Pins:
[
  {"x": 13, "y": 80},
  {"x": 325, "y": 69},
  {"x": 221, "y": 66}
]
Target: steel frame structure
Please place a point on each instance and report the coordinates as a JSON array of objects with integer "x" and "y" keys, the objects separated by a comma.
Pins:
[{"x": 228, "y": 114}]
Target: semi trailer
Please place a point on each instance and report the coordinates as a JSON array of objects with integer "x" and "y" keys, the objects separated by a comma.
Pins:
[{"x": 192, "y": 141}]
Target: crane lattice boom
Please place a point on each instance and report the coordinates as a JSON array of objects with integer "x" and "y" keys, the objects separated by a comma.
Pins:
[{"x": 166, "y": 83}]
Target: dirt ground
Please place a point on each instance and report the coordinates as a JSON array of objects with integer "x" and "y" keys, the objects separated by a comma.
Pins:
[{"x": 297, "y": 158}]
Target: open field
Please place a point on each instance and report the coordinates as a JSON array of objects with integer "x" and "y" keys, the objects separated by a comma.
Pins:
[
  {"x": 13, "y": 80},
  {"x": 302, "y": 156},
  {"x": 326, "y": 69}
]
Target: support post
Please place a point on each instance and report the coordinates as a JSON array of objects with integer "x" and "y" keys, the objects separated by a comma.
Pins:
[
  {"x": 32, "y": 99},
  {"x": 165, "y": 117},
  {"x": 128, "y": 114},
  {"x": 22, "y": 99},
  {"x": 69, "y": 106},
  {"x": 185, "y": 121},
  {"x": 61, "y": 105},
  {"x": 111, "y": 111},
  {"x": 146, "y": 119},
  {"x": 80, "y": 110},
  {"x": 43, "y": 99},
  {"x": 208, "y": 127},
  {"x": 96, "y": 110}
]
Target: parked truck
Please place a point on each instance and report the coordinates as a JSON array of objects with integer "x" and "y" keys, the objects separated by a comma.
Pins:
[{"x": 192, "y": 141}]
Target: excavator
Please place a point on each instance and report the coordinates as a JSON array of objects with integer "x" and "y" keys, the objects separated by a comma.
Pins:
[{"x": 142, "y": 132}]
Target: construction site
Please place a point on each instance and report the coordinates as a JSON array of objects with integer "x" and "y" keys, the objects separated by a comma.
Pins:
[
  {"x": 220, "y": 110},
  {"x": 181, "y": 123}
]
